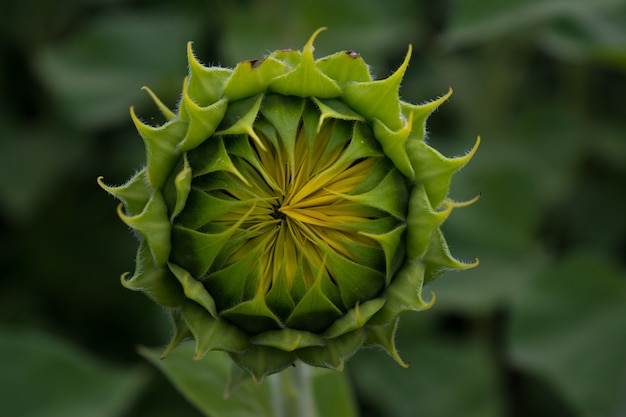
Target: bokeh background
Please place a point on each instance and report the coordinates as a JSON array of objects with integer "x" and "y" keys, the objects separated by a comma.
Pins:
[{"x": 538, "y": 329}]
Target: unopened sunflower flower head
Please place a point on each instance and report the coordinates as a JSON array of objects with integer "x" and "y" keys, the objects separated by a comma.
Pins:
[{"x": 289, "y": 209}]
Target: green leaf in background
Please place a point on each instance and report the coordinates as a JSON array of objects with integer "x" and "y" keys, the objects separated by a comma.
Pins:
[
  {"x": 374, "y": 28},
  {"x": 491, "y": 288},
  {"x": 204, "y": 382},
  {"x": 473, "y": 22},
  {"x": 574, "y": 30},
  {"x": 43, "y": 376},
  {"x": 589, "y": 36},
  {"x": 445, "y": 378},
  {"x": 500, "y": 230},
  {"x": 96, "y": 74},
  {"x": 568, "y": 326},
  {"x": 33, "y": 160}
]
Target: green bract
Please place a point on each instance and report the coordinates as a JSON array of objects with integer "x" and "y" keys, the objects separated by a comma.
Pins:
[{"x": 289, "y": 210}]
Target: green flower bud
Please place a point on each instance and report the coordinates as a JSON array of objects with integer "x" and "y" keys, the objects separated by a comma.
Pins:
[{"x": 290, "y": 209}]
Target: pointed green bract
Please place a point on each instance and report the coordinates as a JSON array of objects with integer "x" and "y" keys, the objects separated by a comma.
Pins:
[
  {"x": 354, "y": 319},
  {"x": 154, "y": 281},
  {"x": 345, "y": 67},
  {"x": 284, "y": 114},
  {"x": 394, "y": 144},
  {"x": 180, "y": 334},
  {"x": 336, "y": 351},
  {"x": 289, "y": 209},
  {"x": 391, "y": 245},
  {"x": 153, "y": 224},
  {"x": 182, "y": 184},
  {"x": 420, "y": 113},
  {"x": 160, "y": 146},
  {"x": 251, "y": 77},
  {"x": 252, "y": 316},
  {"x": 194, "y": 290},
  {"x": 434, "y": 170},
  {"x": 438, "y": 258},
  {"x": 261, "y": 361},
  {"x": 165, "y": 111},
  {"x": 240, "y": 117},
  {"x": 188, "y": 243},
  {"x": 211, "y": 333},
  {"x": 422, "y": 221},
  {"x": 306, "y": 80},
  {"x": 288, "y": 339},
  {"x": 202, "y": 121},
  {"x": 389, "y": 195},
  {"x": 206, "y": 84},
  {"x": 134, "y": 194},
  {"x": 379, "y": 99},
  {"x": 403, "y": 294},
  {"x": 315, "y": 303}
]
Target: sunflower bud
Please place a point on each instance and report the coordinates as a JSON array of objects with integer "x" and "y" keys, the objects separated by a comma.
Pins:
[{"x": 289, "y": 209}]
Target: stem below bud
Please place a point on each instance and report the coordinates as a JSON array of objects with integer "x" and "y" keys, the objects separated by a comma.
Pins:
[{"x": 292, "y": 392}]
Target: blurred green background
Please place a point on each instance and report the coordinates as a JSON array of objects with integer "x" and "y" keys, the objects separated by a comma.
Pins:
[{"x": 538, "y": 329}]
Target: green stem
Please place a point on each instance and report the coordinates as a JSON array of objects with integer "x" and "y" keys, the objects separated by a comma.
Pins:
[{"x": 292, "y": 392}]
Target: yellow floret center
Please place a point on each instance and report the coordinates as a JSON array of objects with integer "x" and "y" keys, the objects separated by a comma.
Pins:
[{"x": 298, "y": 211}]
